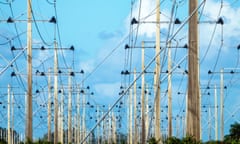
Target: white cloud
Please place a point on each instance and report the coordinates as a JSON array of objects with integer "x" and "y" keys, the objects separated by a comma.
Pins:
[
  {"x": 230, "y": 28},
  {"x": 148, "y": 14}
]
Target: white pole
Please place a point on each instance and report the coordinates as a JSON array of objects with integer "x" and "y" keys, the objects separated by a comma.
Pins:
[
  {"x": 70, "y": 108},
  {"x": 62, "y": 116},
  {"x": 130, "y": 117},
  {"x": 146, "y": 115},
  {"x": 9, "y": 115},
  {"x": 49, "y": 105},
  {"x": 157, "y": 75},
  {"x": 135, "y": 108},
  {"x": 29, "y": 69},
  {"x": 221, "y": 104},
  {"x": 55, "y": 93},
  {"x": 12, "y": 135},
  {"x": 216, "y": 112}
]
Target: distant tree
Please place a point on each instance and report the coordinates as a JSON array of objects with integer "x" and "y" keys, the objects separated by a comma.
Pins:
[
  {"x": 234, "y": 134},
  {"x": 2, "y": 141},
  {"x": 172, "y": 140},
  {"x": 190, "y": 140}
]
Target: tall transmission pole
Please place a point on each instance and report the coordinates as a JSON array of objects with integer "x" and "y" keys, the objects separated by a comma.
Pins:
[
  {"x": 221, "y": 105},
  {"x": 9, "y": 116},
  {"x": 193, "y": 108},
  {"x": 49, "y": 105},
  {"x": 29, "y": 71},
  {"x": 62, "y": 117},
  {"x": 157, "y": 74},
  {"x": 130, "y": 117},
  {"x": 135, "y": 108},
  {"x": 143, "y": 97},
  {"x": 216, "y": 112},
  {"x": 169, "y": 91},
  {"x": 55, "y": 93},
  {"x": 70, "y": 109}
]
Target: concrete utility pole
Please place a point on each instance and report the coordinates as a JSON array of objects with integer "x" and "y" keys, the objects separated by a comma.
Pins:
[
  {"x": 70, "y": 108},
  {"x": 135, "y": 107},
  {"x": 55, "y": 93},
  {"x": 78, "y": 115},
  {"x": 169, "y": 91},
  {"x": 62, "y": 117},
  {"x": 216, "y": 112},
  {"x": 12, "y": 125},
  {"x": 9, "y": 116},
  {"x": 49, "y": 105},
  {"x": 29, "y": 70},
  {"x": 147, "y": 115},
  {"x": 193, "y": 111},
  {"x": 143, "y": 97},
  {"x": 221, "y": 105},
  {"x": 157, "y": 75},
  {"x": 130, "y": 117}
]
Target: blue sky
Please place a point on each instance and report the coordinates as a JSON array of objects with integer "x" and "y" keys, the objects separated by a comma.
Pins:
[{"x": 97, "y": 28}]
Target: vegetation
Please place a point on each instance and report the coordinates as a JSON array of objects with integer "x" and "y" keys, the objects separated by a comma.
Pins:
[
  {"x": 232, "y": 138},
  {"x": 234, "y": 134}
]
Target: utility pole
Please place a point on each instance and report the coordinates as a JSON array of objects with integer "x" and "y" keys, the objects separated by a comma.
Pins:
[
  {"x": 147, "y": 116},
  {"x": 49, "y": 105},
  {"x": 216, "y": 112},
  {"x": 12, "y": 135},
  {"x": 29, "y": 70},
  {"x": 9, "y": 116},
  {"x": 157, "y": 75},
  {"x": 62, "y": 116},
  {"x": 169, "y": 91},
  {"x": 84, "y": 116},
  {"x": 221, "y": 104},
  {"x": 130, "y": 117},
  {"x": 55, "y": 93},
  {"x": 143, "y": 97},
  {"x": 78, "y": 115},
  {"x": 209, "y": 123},
  {"x": 193, "y": 111},
  {"x": 114, "y": 138},
  {"x": 70, "y": 108},
  {"x": 135, "y": 107}
]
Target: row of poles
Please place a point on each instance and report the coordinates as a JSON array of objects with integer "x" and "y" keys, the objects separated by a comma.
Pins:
[{"x": 193, "y": 96}]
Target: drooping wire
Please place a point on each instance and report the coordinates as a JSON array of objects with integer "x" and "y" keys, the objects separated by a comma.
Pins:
[
  {"x": 59, "y": 36},
  {"x": 37, "y": 28}
]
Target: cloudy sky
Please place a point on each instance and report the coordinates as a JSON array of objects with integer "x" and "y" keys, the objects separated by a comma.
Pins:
[{"x": 99, "y": 30}]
